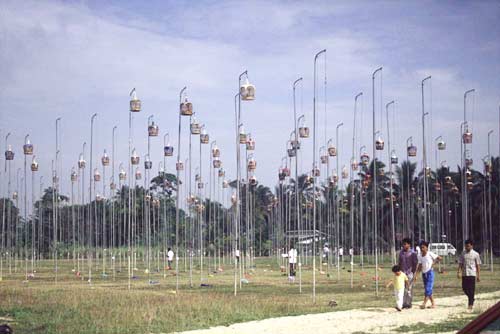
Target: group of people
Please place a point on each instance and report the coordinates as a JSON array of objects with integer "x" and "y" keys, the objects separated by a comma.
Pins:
[{"x": 411, "y": 263}]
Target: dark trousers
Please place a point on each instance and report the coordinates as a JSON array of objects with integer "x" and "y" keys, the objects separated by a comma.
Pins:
[
  {"x": 292, "y": 269},
  {"x": 469, "y": 287}
]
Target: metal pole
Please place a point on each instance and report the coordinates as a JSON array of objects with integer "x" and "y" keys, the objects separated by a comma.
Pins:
[
  {"x": 424, "y": 152},
  {"x": 393, "y": 230}
]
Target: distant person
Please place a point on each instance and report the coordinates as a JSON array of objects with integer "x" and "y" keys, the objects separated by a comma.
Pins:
[
  {"x": 341, "y": 253},
  {"x": 468, "y": 268},
  {"x": 170, "y": 258},
  {"x": 292, "y": 260},
  {"x": 237, "y": 255},
  {"x": 400, "y": 283},
  {"x": 326, "y": 253},
  {"x": 426, "y": 261},
  {"x": 408, "y": 262}
]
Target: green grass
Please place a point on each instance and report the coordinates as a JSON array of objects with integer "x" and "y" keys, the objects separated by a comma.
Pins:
[
  {"x": 107, "y": 306},
  {"x": 451, "y": 324}
]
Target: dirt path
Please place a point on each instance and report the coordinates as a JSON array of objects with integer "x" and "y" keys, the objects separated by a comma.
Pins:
[{"x": 375, "y": 320}]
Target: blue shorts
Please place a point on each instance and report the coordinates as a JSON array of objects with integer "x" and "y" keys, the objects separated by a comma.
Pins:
[{"x": 428, "y": 279}]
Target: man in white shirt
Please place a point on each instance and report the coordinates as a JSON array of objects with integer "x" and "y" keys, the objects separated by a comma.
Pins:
[
  {"x": 426, "y": 260},
  {"x": 468, "y": 270},
  {"x": 170, "y": 258},
  {"x": 292, "y": 260}
]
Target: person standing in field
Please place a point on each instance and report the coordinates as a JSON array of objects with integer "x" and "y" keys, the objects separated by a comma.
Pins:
[
  {"x": 292, "y": 260},
  {"x": 408, "y": 264},
  {"x": 426, "y": 261},
  {"x": 170, "y": 258},
  {"x": 400, "y": 283},
  {"x": 468, "y": 269}
]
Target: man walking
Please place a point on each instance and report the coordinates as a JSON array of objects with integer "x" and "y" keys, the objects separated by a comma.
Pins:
[
  {"x": 408, "y": 263},
  {"x": 468, "y": 268}
]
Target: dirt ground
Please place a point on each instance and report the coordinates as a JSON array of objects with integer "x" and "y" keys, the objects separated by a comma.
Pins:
[{"x": 374, "y": 320}]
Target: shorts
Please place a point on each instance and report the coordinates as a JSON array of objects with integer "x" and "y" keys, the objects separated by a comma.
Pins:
[{"x": 428, "y": 279}]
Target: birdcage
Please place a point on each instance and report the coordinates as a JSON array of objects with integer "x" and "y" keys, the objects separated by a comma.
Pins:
[
  {"x": 323, "y": 159},
  {"x": 345, "y": 173},
  {"x": 411, "y": 150},
  {"x": 447, "y": 179},
  {"x": 9, "y": 154},
  {"x": 247, "y": 91},
  {"x": 168, "y": 150},
  {"x": 55, "y": 180},
  {"x": 281, "y": 175},
  {"x": 135, "y": 103},
  {"x": 122, "y": 175},
  {"x": 467, "y": 136},
  {"x": 468, "y": 162},
  {"x": 252, "y": 164},
  {"x": 427, "y": 171},
  {"x": 332, "y": 151},
  {"x": 215, "y": 152},
  {"x": 179, "y": 166},
  {"x": 250, "y": 144},
  {"x": 225, "y": 184},
  {"x": 81, "y": 162},
  {"x": 379, "y": 144},
  {"x": 252, "y": 181},
  {"x": 34, "y": 165},
  {"x": 394, "y": 158},
  {"x": 243, "y": 135},
  {"x": 153, "y": 129},
  {"x": 204, "y": 137},
  {"x": 105, "y": 159},
  {"x": 216, "y": 163},
  {"x": 290, "y": 152},
  {"x": 222, "y": 172},
  {"x": 304, "y": 132},
  {"x": 138, "y": 174},
  {"x": 316, "y": 172},
  {"x": 354, "y": 165},
  {"x": 186, "y": 107},
  {"x": 135, "y": 159},
  {"x": 148, "y": 164},
  {"x": 441, "y": 145},
  {"x": 28, "y": 147},
  {"x": 197, "y": 177},
  {"x": 295, "y": 144},
  {"x": 200, "y": 185},
  {"x": 74, "y": 176},
  {"x": 331, "y": 181},
  {"x": 112, "y": 186},
  {"x": 14, "y": 195},
  {"x": 365, "y": 159},
  {"x": 195, "y": 127},
  {"x": 97, "y": 175}
]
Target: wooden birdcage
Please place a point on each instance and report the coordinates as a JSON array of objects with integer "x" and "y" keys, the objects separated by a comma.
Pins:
[
  {"x": 215, "y": 152},
  {"x": 74, "y": 176},
  {"x": 179, "y": 166},
  {"x": 379, "y": 144},
  {"x": 467, "y": 137},
  {"x": 138, "y": 174},
  {"x": 97, "y": 175},
  {"x": 394, "y": 159},
  {"x": 332, "y": 151},
  {"x": 81, "y": 162},
  {"x": 304, "y": 132},
  {"x": 354, "y": 165},
  {"x": 105, "y": 159},
  {"x": 135, "y": 103},
  {"x": 222, "y": 173},
  {"x": 252, "y": 164},
  {"x": 28, "y": 148},
  {"x": 295, "y": 144},
  {"x": 122, "y": 175},
  {"x": 216, "y": 163},
  {"x": 290, "y": 152},
  {"x": 135, "y": 159},
  {"x": 34, "y": 165},
  {"x": 250, "y": 144},
  {"x": 412, "y": 150},
  {"x": 9, "y": 154},
  {"x": 243, "y": 136},
  {"x": 186, "y": 108},
  {"x": 195, "y": 127}
]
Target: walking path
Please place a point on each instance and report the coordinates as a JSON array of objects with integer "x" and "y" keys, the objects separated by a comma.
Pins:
[{"x": 374, "y": 320}]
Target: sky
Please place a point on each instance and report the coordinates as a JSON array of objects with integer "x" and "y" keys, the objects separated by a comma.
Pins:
[{"x": 71, "y": 59}]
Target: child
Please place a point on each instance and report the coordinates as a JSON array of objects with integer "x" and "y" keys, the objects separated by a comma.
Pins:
[
  {"x": 426, "y": 261},
  {"x": 468, "y": 270},
  {"x": 292, "y": 260},
  {"x": 170, "y": 258},
  {"x": 400, "y": 281}
]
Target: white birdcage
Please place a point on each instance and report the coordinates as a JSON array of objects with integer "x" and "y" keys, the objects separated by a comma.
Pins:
[
  {"x": 195, "y": 126},
  {"x": 74, "y": 175},
  {"x": 179, "y": 166},
  {"x": 97, "y": 175},
  {"x": 81, "y": 162},
  {"x": 332, "y": 151},
  {"x": 252, "y": 164},
  {"x": 105, "y": 159},
  {"x": 148, "y": 164},
  {"x": 379, "y": 144},
  {"x": 122, "y": 175},
  {"x": 215, "y": 152},
  {"x": 135, "y": 159},
  {"x": 34, "y": 165},
  {"x": 138, "y": 174},
  {"x": 247, "y": 91},
  {"x": 252, "y": 181},
  {"x": 186, "y": 107},
  {"x": 243, "y": 135},
  {"x": 441, "y": 145},
  {"x": 250, "y": 143}
]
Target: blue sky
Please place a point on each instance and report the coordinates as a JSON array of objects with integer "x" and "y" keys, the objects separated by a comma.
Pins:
[{"x": 71, "y": 59}]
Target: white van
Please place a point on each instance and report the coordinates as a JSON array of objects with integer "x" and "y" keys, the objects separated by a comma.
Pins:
[{"x": 442, "y": 249}]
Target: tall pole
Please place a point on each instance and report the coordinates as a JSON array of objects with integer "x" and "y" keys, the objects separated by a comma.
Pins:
[
  {"x": 177, "y": 197},
  {"x": 465, "y": 204},
  {"x": 90, "y": 196},
  {"x": 337, "y": 209},
  {"x": 375, "y": 180},
  {"x": 297, "y": 209},
  {"x": 314, "y": 177},
  {"x": 424, "y": 152},
  {"x": 393, "y": 230},
  {"x": 489, "y": 177},
  {"x": 113, "y": 241}
]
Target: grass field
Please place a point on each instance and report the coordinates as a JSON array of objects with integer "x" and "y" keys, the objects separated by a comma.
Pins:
[{"x": 108, "y": 306}]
